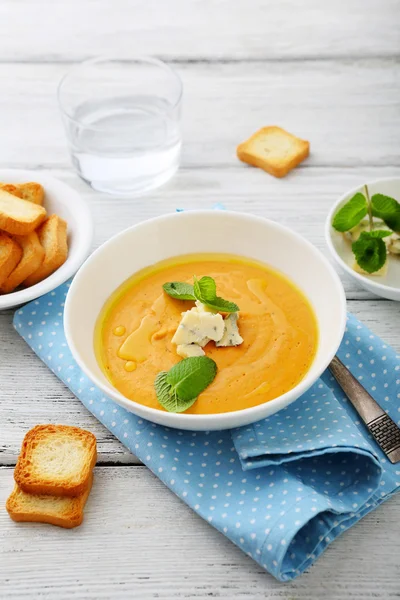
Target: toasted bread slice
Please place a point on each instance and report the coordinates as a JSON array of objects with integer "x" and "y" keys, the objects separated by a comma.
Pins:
[
  {"x": 56, "y": 460},
  {"x": 10, "y": 255},
  {"x": 55, "y": 510},
  {"x": 32, "y": 258},
  {"x": 53, "y": 237},
  {"x": 273, "y": 149},
  {"x": 11, "y": 189},
  {"x": 18, "y": 216},
  {"x": 31, "y": 191}
]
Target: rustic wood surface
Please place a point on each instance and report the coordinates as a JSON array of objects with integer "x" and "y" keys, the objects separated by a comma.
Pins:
[{"x": 326, "y": 71}]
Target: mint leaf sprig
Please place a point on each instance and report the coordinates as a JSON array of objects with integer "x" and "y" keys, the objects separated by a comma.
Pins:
[
  {"x": 369, "y": 249},
  {"x": 204, "y": 290},
  {"x": 351, "y": 213},
  {"x": 179, "y": 291},
  {"x": 178, "y": 389},
  {"x": 387, "y": 209}
]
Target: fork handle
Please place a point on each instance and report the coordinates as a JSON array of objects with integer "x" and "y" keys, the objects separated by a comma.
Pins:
[
  {"x": 363, "y": 402},
  {"x": 384, "y": 430}
]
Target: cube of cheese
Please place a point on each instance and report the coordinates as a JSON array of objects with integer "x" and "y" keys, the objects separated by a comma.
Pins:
[
  {"x": 231, "y": 335},
  {"x": 189, "y": 350},
  {"x": 196, "y": 326}
]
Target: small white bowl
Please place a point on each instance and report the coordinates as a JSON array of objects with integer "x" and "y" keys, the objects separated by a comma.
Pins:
[
  {"x": 387, "y": 285},
  {"x": 204, "y": 231},
  {"x": 68, "y": 204}
]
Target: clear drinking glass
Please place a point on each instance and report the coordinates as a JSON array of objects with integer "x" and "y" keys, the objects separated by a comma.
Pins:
[{"x": 122, "y": 119}]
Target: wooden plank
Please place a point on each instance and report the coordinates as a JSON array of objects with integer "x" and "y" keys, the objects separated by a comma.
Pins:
[
  {"x": 301, "y": 201},
  {"x": 348, "y": 111},
  {"x": 202, "y": 29},
  {"x": 139, "y": 541},
  {"x": 328, "y": 72},
  {"x": 39, "y": 397}
]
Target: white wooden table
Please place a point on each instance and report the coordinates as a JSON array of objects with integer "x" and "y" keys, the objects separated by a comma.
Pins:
[{"x": 328, "y": 72}]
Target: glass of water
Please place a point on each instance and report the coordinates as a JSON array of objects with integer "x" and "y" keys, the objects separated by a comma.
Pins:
[{"x": 122, "y": 119}]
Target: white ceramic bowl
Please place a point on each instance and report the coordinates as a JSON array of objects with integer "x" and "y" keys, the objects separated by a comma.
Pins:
[
  {"x": 67, "y": 203},
  {"x": 386, "y": 286},
  {"x": 204, "y": 231}
]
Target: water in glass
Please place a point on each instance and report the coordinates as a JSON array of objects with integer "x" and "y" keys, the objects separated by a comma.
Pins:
[{"x": 126, "y": 143}]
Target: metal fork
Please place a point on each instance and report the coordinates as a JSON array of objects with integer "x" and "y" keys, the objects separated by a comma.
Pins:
[{"x": 384, "y": 430}]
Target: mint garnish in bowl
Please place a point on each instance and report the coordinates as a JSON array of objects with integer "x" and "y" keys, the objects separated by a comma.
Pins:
[
  {"x": 204, "y": 290},
  {"x": 178, "y": 388},
  {"x": 368, "y": 247}
]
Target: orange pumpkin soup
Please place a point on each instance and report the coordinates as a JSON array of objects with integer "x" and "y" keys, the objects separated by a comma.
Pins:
[{"x": 277, "y": 324}]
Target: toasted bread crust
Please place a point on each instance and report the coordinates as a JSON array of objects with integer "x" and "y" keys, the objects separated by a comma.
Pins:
[
  {"x": 274, "y": 150},
  {"x": 23, "y": 507},
  {"x": 17, "y": 216},
  {"x": 11, "y": 189},
  {"x": 32, "y": 478},
  {"x": 10, "y": 255},
  {"x": 53, "y": 237},
  {"x": 32, "y": 258},
  {"x": 31, "y": 191}
]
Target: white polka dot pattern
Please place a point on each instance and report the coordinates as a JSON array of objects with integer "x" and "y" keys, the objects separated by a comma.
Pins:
[{"x": 281, "y": 489}]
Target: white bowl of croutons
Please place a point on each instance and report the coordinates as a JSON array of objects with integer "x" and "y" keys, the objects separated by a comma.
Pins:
[
  {"x": 46, "y": 232},
  {"x": 363, "y": 235}
]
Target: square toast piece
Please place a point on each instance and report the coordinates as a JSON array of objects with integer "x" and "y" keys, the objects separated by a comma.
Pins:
[
  {"x": 55, "y": 510},
  {"x": 273, "y": 149},
  {"x": 32, "y": 258},
  {"x": 53, "y": 237},
  {"x": 56, "y": 460},
  {"x": 10, "y": 255},
  {"x": 17, "y": 216},
  {"x": 31, "y": 191}
]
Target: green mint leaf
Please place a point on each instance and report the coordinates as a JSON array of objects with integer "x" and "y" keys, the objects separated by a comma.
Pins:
[
  {"x": 191, "y": 376},
  {"x": 351, "y": 213},
  {"x": 179, "y": 291},
  {"x": 221, "y": 305},
  {"x": 178, "y": 388},
  {"x": 370, "y": 250},
  {"x": 168, "y": 400},
  {"x": 205, "y": 291},
  {"x": 387, "y": 209},
  {"x": 378, "y": 233}
]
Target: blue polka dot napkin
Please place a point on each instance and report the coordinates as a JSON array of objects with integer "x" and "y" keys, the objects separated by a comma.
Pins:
[{"x": 282, "y": 489}]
